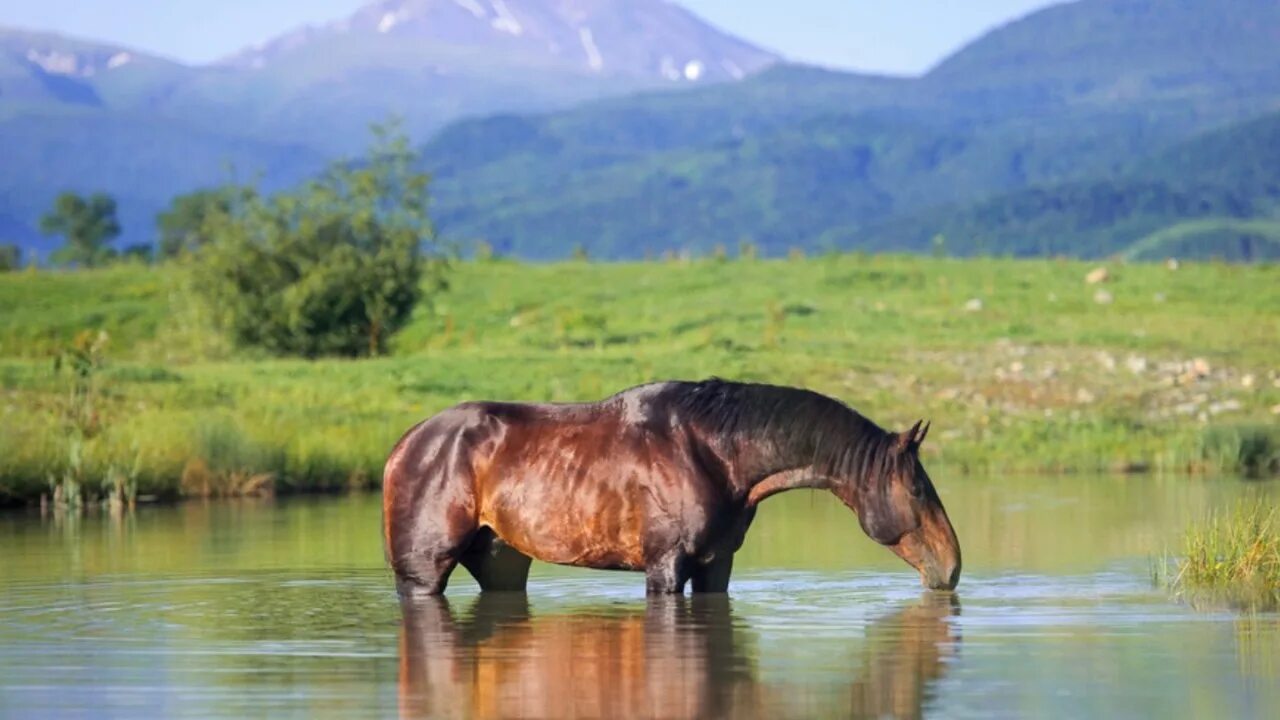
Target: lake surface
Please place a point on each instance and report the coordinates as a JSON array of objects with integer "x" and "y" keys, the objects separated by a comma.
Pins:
[{"x": 284, "y": 608}]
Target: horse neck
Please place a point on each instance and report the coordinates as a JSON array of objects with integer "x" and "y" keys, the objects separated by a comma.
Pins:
[
  {"x": 780, "y": 465},
  {"x": 771, "y": 468},
  {"x": 804, "y": 477}
]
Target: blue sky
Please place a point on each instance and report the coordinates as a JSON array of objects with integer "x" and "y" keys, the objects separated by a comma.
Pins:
[{"x": 895, "y": 36}]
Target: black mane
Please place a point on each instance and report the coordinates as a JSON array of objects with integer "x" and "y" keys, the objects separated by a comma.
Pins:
[{"x": 798, "y": 423}]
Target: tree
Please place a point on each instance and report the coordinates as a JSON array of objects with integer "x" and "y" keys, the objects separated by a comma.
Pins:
[
  {"x": 182, "y": 226},
  {"x": 10, "y": 257},
  {"x": 139, "y": 252},
  {"x": 87, "y": 224},
  {"x": 334, "y": 268}
]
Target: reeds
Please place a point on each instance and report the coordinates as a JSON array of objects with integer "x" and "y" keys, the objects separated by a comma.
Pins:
[{"x": 1230, "y": 558}]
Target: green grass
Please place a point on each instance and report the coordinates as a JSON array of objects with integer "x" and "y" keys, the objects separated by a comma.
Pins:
[
  {"x": 1041, "y": 379},
  {"x": 1231, "y": 558}
]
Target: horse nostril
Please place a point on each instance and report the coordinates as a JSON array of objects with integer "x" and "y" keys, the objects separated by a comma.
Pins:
[{"x": 938, "y": 576}]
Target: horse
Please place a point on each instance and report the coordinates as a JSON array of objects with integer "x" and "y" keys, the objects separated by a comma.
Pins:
[{"x": 663, "y": 478}]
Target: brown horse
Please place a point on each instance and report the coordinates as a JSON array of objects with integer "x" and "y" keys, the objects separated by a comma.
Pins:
[{"x": 663, "y": 478}]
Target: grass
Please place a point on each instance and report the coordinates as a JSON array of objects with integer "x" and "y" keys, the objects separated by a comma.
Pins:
[
  {"x": 1043, "y": 378},
  {"x": 1231, "y": 558}
]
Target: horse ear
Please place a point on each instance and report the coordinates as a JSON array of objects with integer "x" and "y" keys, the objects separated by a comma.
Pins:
[
  {"x": 907, "y": 440},
  {"x": 924, "y": 434}
]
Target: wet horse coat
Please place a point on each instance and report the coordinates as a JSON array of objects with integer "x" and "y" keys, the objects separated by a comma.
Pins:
[{"x": 663, "y": 478}]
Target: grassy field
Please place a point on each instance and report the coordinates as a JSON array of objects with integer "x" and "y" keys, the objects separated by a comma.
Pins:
[{"x": 1021, "y": 365}]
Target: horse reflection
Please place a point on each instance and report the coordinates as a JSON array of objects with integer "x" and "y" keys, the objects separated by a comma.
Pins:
[
  {"x": 674, "y": 658},
  {"x": 906, "y": 653}
]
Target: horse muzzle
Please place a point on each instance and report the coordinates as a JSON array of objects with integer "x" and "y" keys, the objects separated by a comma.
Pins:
[{"x": 933, "y": 550}]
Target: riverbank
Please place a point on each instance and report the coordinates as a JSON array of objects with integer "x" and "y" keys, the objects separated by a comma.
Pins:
[{"x": 1023, "y": 366}]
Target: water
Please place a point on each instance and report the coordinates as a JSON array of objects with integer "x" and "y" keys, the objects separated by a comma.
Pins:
[{"x": 284, "y": 608}]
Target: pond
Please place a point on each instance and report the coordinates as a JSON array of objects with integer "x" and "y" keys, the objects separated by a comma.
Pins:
[{"x": 273, "y": 608}]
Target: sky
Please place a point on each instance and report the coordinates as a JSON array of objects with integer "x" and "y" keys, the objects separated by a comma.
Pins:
[{"x": 903, "y": 37}]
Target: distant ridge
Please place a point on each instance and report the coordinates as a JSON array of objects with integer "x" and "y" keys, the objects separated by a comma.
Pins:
[
  {"x": 620, "y": 125},
  {"x": 145, "y": 128}
]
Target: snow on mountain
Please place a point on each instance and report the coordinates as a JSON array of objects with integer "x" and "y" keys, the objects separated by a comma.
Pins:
[{"x": 650, "y": 40}]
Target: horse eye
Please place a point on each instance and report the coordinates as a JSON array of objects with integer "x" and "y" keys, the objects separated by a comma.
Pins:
[{"x": 917, "y": 490}]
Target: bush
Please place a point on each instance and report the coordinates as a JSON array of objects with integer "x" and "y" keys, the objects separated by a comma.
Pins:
[
  {"x": 87, "y": 224},
  {"x": 334, "y": 268},
  {"x": 1252, "y": 450},
  {"x": 10, "y": 257}
]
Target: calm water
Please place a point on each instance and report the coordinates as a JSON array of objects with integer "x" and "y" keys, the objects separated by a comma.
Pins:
[{"x": 284, "y": 608}]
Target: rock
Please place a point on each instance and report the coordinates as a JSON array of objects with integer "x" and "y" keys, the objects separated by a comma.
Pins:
[
  {"x": 1247, "y": 381},
  {"x": 1102, "y": 297},
  {"x": 1172, "y": 264},
  {"x": 1016, "y": 367},
  {"x": 974, "y": 305},
  {"x": 948, "y": 394},
  {"x": 1084, "y": 397},
  {"x": 1097, "y": 275},
  {"x": 1106, "y": 360},
  {"x": 1275, "y": 409},
  {"x": 1137, "y": 365},
  {"x": 1187, "y": 408},
  {"x": 1200, "y": 367},
  {"x": 1225, "y": 406}
]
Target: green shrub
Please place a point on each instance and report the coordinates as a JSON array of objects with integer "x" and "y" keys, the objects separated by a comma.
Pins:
[
  {"x": 1252, "y": 450},
  {"x": 334, "y": 268}
]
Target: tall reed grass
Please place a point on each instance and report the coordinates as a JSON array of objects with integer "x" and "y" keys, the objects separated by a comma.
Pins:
[{"x": 1231, "y": 558}]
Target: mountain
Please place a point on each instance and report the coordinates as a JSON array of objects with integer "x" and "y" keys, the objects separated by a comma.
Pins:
[
  {"x": 1217, "y": 194},
  {"x": 647, "y": 40},
  {"x": 1059, "y": 132},
  {"x": 44, "y": 72},
  {"x": 430, "y": 61},
  {"x": 1100, "y": 52},
  {"x": 84, "y": 115},
  {"x": 796, "y": 157}
]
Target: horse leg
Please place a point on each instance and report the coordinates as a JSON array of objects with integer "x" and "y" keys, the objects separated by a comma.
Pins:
[
  {"x": 713, "y": 577},
  {"x": 496, "y": 565},
  {"x": 424, "y": 575},
  {"x": 666, "y": 574},
  {"x": 424, "y": 558}
]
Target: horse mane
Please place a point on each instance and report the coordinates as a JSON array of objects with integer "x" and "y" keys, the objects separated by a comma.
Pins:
[{"x": 796, "y": 422}]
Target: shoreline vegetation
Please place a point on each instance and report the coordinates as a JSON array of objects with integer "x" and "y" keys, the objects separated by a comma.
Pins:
[
  {"x": 114, "y": 387},
  {"x": 1230, "y": 558}
]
